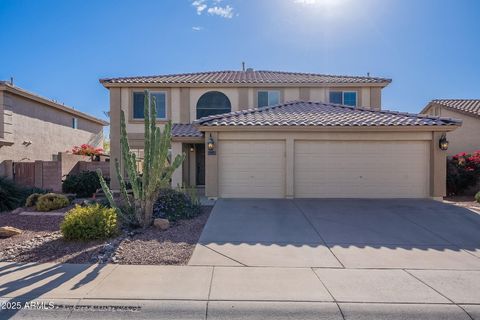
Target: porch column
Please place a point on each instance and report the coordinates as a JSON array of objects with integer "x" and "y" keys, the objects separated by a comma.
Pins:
[
  {"x": 115, "y": 149},
  {"x": 177, "y": 174},
  {"x": 438, "y": 168}
]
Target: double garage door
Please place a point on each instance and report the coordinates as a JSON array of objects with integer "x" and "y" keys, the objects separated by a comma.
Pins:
[{"x": 324, "y": 169}]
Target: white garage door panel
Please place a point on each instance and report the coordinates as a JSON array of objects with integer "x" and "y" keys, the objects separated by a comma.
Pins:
[
  {"x": 252, "y": 169},
  {"x": 356, "y": 169}
]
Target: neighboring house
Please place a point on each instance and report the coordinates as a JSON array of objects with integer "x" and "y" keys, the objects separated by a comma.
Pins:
[
  {"x": 342, "y": 145},
  {"x": 34, "y": 128},
  {"x": 466, "y": 138}
]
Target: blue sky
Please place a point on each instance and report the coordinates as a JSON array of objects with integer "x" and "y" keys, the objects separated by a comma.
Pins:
[{"x": 59, "y": 49}]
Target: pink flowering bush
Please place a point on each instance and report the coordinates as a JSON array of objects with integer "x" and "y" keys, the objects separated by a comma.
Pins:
[
  {"x": 463, "y": 172},
  {"x": 87, "y": 150}
]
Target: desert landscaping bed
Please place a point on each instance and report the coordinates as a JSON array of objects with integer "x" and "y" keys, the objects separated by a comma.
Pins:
[{"x": 41, "y": 241}]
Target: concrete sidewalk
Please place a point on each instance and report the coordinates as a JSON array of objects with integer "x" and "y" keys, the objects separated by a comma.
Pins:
[{"x": 184, "y": 292}]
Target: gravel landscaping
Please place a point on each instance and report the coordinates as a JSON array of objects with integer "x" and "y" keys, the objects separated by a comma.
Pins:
[
  {"x": 173, "y": 246},
  {"x": 41, "y": 241},
  {"x": 463, "y": 201}
]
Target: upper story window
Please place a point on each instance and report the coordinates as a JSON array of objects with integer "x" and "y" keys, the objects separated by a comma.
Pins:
[
  {"x": 75, "y": 123},
  {"x": 211, "y": 103},
  {"x": 139, "y": 107},
  {"x": 348, "y": 98},
  {"x": 268, "y": 98}
]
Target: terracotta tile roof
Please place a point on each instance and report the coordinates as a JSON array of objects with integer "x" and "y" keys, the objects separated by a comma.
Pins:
[
  {"x": 468, "y": 106},
  {"x": 301, "y": 113},
  {"x": 246, "y": 77},
  {"x": 185, "y": 130}
]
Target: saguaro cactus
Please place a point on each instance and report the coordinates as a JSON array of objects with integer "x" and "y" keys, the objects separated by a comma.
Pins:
[{"x": 157, "y": 167}]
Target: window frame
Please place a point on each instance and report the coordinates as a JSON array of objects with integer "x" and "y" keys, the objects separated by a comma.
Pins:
[
  {"x": 268, "y": 91},
  {"x": 356, "y": 98},
  {"x": 150, "y": 95},
  {"x": 74, "y": 123},
  {"x": 343, "y": 96},
  {"x": 208, "y": 92}
]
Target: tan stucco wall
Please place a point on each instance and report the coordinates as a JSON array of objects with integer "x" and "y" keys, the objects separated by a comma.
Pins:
[
  {"x": 182, "y": 102},
  {"x": 115, "y": 151},
  {"x": 318, "y": 94},
  {"x": 437, "y": 157},
  {"x": 464, "y": 139},
  {"x": 46, "y": 130}
]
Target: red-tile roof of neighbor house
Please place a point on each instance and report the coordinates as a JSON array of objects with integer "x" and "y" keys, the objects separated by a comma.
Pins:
[
  {"x": 185, "y": 130},
  {"x": 247, "y": 77},
  {"x": 467, "y": 106},
  {"x": 301, "y": 113}
]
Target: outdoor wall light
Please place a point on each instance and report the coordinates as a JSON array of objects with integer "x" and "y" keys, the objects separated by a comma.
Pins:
[
  {"x": 211, "y": 145},
  {"x": 443, "y": 142},
  {"x": 192, "y": 149}
]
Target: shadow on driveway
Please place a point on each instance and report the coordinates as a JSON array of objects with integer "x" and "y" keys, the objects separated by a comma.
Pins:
[{"x": 356, "y": 233}]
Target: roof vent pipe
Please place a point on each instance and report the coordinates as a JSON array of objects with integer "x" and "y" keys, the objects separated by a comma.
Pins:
[
  {"x": 243, "y": 66},
  {"x": 11, "y": 81}
]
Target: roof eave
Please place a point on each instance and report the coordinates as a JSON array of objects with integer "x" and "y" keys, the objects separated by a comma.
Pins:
[
  {"x": 443, "y": 128},
  {"x": 433, "y": 102},
  {"x": 240, "y": 84},
  {"x": 188, "y": 139},
  {"x": 28, "y": 95}
]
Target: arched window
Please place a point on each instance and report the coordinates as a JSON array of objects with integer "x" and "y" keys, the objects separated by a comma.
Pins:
[{"x": 213, "y": 102}]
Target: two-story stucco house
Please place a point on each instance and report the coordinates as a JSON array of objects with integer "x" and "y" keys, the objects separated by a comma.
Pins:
[
  {"x": 466, "y": 138},
  {"x": 270, "y": 134},
  {"x": 35, "y": 128}
]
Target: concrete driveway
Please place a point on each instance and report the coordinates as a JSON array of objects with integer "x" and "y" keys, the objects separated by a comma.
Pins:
[{"x": 340, "y": 233}]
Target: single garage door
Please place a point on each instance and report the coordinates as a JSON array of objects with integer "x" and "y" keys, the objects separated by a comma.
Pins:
[
  {"x": 251, "y": 169},
  {"x": 361, "y": 169}
]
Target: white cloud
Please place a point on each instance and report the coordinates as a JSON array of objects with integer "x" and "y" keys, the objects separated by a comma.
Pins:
[
  {"x": 305, "y": 1},
  {"x": 199, "y": 6},
  {"x": 224, "y": 12},
  {"x": 197, "y": 28},
  {"x": 212, "y": 7}
]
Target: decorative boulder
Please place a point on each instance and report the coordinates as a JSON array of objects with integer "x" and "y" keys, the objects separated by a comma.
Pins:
[
  {"x": 162, "y": 224},
  {"x": 7, "y": 232}
]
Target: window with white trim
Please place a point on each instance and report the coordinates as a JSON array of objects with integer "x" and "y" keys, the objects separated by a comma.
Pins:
[
  {"x": 268, "y": 98},
  {"x": 348, "y": 98},
  {"x": 139, "y": 107}
]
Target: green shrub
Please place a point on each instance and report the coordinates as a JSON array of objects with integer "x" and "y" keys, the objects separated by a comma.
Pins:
[
  {"x": 84, "y": 184},
  {"x": 477, "y": 197},
  {"x": 51, "y": 201},
  {"x": 32, "y": 199},
  {"x": 11, "y": 195},
  {"x": 174, "y": 205},
  {"x": 89, "y": 223}
]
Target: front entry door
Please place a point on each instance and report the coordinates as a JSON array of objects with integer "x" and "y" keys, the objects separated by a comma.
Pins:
[{"x": 200, "y": 161}]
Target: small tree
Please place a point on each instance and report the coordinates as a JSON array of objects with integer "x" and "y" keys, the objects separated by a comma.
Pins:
[{"x": 157, "y": 169}]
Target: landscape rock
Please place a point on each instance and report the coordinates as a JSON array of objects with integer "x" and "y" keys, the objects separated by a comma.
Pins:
[
  {"x": 7, "y": 232},
  {"x": 18, "y": 210},
  {"x": 162, "y": 224}
]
